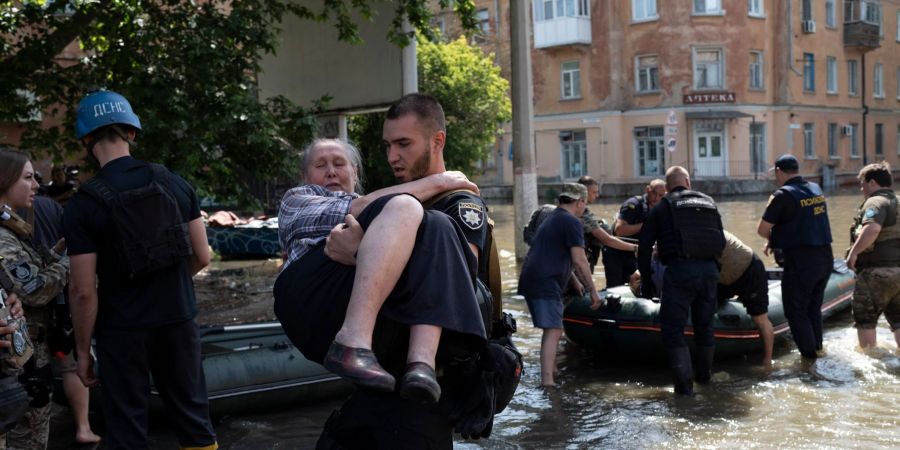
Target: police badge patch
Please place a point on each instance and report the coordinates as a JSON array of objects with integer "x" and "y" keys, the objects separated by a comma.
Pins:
[
  {"x": 870, "y": 213},
  {"x": 471, "y": 214}
]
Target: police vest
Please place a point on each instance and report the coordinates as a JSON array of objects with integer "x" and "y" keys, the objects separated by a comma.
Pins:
[
  {"x": 886, "y": 249},
  {"x": 810, "y": 226},
  {"x": 696, "y": 231}
]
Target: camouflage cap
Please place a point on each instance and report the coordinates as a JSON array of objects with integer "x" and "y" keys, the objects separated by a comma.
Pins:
[{"x": 574, "y": 191}]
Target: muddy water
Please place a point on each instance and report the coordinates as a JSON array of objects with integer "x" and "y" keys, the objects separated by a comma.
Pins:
[{"x": 846, "y": 399}]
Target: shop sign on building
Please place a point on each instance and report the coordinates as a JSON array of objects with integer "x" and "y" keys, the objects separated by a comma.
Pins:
[{"x": 709, "y": 97}]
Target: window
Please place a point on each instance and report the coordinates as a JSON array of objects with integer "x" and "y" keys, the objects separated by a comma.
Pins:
[
  {"x": 832, "y": 140},
  {"x": 32, "y": 113},
  {"x": 571, "y": 79},
  {"x": 756, "y": 70},
  {"x": 550, "y": 9},
  {"x": 574, "y": 153},
  {"x": 755, "y": 7},
  {"x": 854, "y": 140},
  {"x": 708, "y": 69},
  {"x": 484, "y": 21},
  {"x": 878, "y": 81},
  {"x": 649, "y": 151},
  {"x": 809, "y": 72},
  {"x": 707, "y": 6},
  {"x": 806, "y": 10},
  {"x": 543, "y": 10},
  {"x": 898, "y": 82},
  {"x": 898, "y": 29},
  {"x": 643, "y": 10},
  {"x": 852, "y": 76},
  {"x": 758, "y": 147},
  {"x": 898, "y": 139},
  {"x": 831, "y": 82},
  {"x": 830, "y": 14},
  {"x": 879, "y": 139},
  {"x": 809, "y": 149},
  {"x": 647, "y": 76}
]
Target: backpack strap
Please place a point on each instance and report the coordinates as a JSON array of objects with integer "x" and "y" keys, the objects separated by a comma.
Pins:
[
  {"x": 100, "y": 190},
  {"x": 495, "y": 278}
]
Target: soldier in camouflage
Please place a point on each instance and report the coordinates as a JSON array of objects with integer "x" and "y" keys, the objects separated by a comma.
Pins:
[{"x": 36, "y": 278}]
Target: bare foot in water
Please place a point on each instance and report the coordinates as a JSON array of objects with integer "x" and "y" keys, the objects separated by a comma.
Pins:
[{"x": 85, "y": 437}]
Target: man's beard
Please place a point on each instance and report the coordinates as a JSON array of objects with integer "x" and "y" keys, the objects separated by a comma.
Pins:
[{"x": 420, "y": 167}]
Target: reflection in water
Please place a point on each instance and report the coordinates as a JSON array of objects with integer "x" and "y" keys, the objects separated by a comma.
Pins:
[{"x": 847, "y": 399}]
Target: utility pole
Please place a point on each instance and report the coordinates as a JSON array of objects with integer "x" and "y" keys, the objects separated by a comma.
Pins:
[{"x": 524, "y": 176}]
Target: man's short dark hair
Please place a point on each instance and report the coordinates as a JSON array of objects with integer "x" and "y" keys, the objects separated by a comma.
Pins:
[
  {"x": 880, "y": 172},
  {"x": 587, "y": 181},
  {"x": 425, "y": 107}
]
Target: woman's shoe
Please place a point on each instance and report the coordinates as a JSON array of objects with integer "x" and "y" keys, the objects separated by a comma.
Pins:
[
  {"x": 358, "y": 365},
  {"x": 420, "y": 384}
]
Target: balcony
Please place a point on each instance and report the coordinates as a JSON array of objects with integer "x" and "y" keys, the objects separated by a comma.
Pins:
[
  {"x": 862, "y": 20},
  {"x": 562, "y": 31}
]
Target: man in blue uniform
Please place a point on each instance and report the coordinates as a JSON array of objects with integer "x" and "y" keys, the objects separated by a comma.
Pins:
[
  {"x": 687, "y": 230},
  {"x": 618, "y": 265},
  {"x": 795, "y": 223},
  {"x": 140, "y": 307}
]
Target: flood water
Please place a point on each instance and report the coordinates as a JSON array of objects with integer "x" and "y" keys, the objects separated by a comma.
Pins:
[{"x": 846, "y": 399}]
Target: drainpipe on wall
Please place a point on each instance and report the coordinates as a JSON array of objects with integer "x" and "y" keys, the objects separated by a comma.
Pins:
[
  {"x": 790, "y": 34},
  {"x": 865, "y": 109}
]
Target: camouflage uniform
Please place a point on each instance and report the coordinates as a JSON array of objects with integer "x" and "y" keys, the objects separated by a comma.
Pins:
[
  {"x": 878, "y": 267},
  {"x": 38, "y": 281}
]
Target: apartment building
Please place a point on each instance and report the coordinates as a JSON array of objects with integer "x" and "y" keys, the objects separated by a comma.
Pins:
[{"x": 625, "y": 88}]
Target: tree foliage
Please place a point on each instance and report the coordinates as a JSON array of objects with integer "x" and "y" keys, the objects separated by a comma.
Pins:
[
  {"x": 188, "y": 68},
  {"x": 475, "y": 101}
]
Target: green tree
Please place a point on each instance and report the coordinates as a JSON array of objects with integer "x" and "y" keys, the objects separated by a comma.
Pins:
[
  {"x": 189, "y": 68},
  {"x": 476, "y": 104}
]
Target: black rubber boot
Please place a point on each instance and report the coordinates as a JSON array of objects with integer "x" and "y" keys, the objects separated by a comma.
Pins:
[
  {"x": 680, "y": 360},
  {"x": 703, "y": 371}
]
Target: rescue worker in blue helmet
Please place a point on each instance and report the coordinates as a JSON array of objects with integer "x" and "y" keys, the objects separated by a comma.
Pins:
[{"x": 136, "y": 300}]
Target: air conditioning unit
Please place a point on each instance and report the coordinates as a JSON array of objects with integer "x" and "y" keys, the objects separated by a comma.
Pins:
[
  {"x": 809, "y": 26},
  {"x": 846, "y": 130}
]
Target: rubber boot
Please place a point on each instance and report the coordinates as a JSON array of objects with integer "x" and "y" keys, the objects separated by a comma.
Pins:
[
  {"x": 703, "y": 370},
  {"x": 680, "y": 360}
]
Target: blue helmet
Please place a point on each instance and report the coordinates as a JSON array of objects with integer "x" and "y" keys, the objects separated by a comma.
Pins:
[{"x": 102, "y": 108}]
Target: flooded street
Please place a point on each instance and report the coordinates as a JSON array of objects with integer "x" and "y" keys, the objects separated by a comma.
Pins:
[{"x": 846, "y": 399}]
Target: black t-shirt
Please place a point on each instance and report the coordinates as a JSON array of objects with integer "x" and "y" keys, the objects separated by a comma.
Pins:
[
  {"x": 470, "y": 214},
  {"x": 782, "y": 208},
  {"x": 164, "y": 297},
  {"x": 634, "y": 211}
]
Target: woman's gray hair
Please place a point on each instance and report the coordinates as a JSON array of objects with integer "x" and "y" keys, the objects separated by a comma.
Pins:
[{"x": 353, "y": 156}]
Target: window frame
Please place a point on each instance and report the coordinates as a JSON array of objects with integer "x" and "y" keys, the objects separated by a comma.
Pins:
[
  {"x": 642, "y": 137},
  {"x": 721, "y": 67},
  {"x": 718, "y": 10},
  {"x": 809, "y": 140},
  {"x": 654, "y": 15},
  {"x": 760, "y": 65},
  {"x": 809, "y": 72},
  {"x": 576, "y": 87},
  {"x": 572, "y": 145},
  {"x": 854, "y": 140},
  {"x": 758, "y": 140},
  {"x": 852, "y": 77},
  {"x": 878, "y": 132},
  {"x": 760, "y": 10},
  {"x": 832, "y": 138},
  {"x": 878, "y": 80},
  {"x": 831, "y": 75},
  {"x": 830, "y": 15},
  {"x": 638, "y": 69},
  {"x": 484, "y": 24}
]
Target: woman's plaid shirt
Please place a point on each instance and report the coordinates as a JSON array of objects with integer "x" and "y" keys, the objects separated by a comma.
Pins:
[{"x": 306, "y": 216}]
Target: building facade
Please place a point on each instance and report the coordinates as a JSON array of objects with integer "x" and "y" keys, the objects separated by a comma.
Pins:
[{"x": 625, "y": 88}]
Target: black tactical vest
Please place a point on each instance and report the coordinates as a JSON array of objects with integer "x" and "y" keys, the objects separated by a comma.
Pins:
[{"x": 696, "y": 231}]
